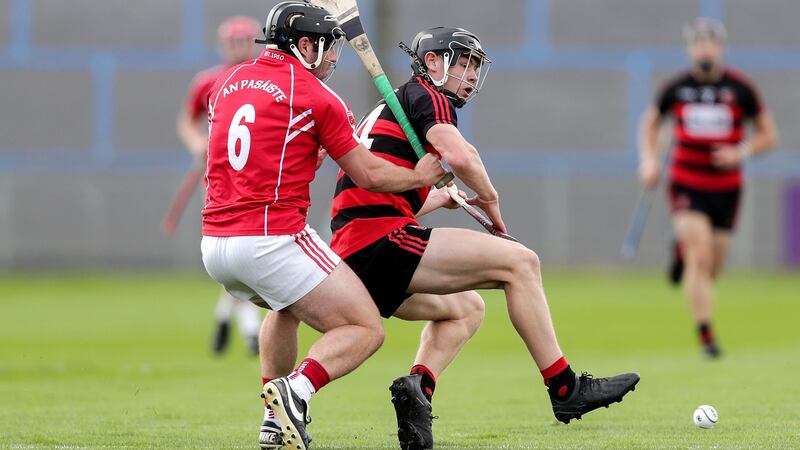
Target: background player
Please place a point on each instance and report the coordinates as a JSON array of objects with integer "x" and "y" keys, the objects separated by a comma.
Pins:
[
  {"x": 267, "y": 120},
  {"x": 236, "y": 41},
  {"x": 711, "y": 104},
  {"x": 418, "y": 273}
]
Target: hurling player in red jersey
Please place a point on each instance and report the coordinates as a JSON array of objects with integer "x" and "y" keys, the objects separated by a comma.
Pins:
[
  {"x": 418, "y": 273},
  {"x": 268, "y": 119},
  {"x": 236, "y": 44},
  {"x": 711, "y": 105}
]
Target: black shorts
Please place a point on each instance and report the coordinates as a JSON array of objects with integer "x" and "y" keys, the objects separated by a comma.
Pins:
[
  {"x": 721, "y": 207},
  {"x": 387, "y": 265}
]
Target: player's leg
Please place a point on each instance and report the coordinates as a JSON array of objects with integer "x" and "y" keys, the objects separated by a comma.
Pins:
[
  {"x": 341, "y": 309},
  {"x": 222, "y": 317},
  {"x": 278, "y": 344},
  {"x": 457, "y": 260},
  {"x": 386, "y": 267},
  {"x": 278, "y": 355},
  {"x": 248, "y": 318},
  {"x": 453, "y": 319},
  {"x": 694, "y": 231},
  {"x": 300, "y": 275},
  {"x": 722, "y": 242},
  {"x": 726, "y": 211}
]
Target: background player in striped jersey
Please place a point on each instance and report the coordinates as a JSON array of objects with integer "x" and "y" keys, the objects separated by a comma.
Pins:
[
  {"x": 418, "y": 273},
  {"x": 711, "y": 105},
  {"x": 236, "y": 44},
  {"x": 267, "y": 120}
]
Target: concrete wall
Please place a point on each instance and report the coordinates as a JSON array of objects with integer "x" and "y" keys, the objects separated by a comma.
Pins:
[{"x": 89, "y": 159}]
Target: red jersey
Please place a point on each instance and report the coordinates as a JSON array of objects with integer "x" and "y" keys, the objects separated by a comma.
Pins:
[
  {"x": 197, "y": 98},
  {"x": 707, "y": 114},
  {"x": 360, "y": 217},
  {"x": 267, "y": 120}
]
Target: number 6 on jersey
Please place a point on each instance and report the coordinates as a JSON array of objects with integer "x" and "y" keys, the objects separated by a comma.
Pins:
[{"x": 238, "y": 132}]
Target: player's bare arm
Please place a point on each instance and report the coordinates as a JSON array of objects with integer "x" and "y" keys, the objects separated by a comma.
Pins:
[
  {"x": 765, "y": 136},
  {"x": 378, "y": 175},
  {"x": 648, "y": 147},
  {"x": 467, "y": 165}
]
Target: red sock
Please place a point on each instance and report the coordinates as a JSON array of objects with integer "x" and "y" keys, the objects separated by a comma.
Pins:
[
  {"x": 428, "y": 381},
  {"x": 559, "y": 379},
  {"x": 315, "y": 373},
  {"x": 706, "y": 334}
]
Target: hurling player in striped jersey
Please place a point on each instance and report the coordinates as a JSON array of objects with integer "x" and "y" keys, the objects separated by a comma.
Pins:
[
  {"x": 423, "y": 274},
  {"x": 711, "y": 104}
]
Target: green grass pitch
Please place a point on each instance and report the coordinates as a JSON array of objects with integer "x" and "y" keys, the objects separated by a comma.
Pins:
[{"x": 107, "y": 361}]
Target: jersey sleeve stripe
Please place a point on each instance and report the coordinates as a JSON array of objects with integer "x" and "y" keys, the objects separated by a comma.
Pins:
[
  {"x": 436, "y": 100},
  {"x": 446, "y": 118},
  {"x": 445, "y": 103}
]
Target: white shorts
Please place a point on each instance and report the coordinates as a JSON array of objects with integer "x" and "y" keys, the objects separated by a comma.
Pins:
[{"x": 276, "y": 270}]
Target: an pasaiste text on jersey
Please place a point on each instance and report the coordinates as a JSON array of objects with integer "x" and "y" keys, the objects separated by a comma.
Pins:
[{"x": 264, "y": 85}]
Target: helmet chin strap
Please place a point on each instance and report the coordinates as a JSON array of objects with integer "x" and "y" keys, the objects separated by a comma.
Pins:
[
  {"x": 440, "y": 83},
  {"x": 320, "y": 54}
]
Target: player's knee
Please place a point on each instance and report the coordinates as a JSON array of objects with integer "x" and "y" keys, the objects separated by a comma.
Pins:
[
  {"x": 476, "y": 311},
  {"x": 526, "y": 262},
  {"x": 375, "y": 336},
  {"x": 699, "y": 259}
]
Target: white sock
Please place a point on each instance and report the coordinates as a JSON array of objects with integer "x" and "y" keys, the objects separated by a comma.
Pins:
[
  {"x": 224, "y": 309},
  {"x": 269, "y": 415},
  {"x": 301, "y": 385}
]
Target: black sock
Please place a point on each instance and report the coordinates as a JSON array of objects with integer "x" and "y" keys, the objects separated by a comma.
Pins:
[
  {"x": 561, "y": 385},
  {"x": 706, "y": 335},
  {"x": 428, "y": 382}
]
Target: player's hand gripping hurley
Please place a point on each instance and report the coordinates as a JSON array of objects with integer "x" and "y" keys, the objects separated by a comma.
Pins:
[{"x": 346, "y": 12}]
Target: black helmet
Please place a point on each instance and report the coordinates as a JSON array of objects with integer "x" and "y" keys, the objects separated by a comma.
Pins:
[
  {"x": 289, "y": 21},
  {"x": 451, "y": 44},
  {"x": 705, "y": 28}
]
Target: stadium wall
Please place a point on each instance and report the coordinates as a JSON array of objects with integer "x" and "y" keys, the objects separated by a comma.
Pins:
[{"x": 89, "y": 159}]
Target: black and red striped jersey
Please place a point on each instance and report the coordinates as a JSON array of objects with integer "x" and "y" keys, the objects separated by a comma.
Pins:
[
  {"x": 706, "y": 115},
  {"x": 360, "y": 217}
]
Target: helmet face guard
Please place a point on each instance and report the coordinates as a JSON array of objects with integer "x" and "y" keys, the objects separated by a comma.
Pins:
[
  {"x": 323, "y": 47},
  {"x": 463, "y": 60}
]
